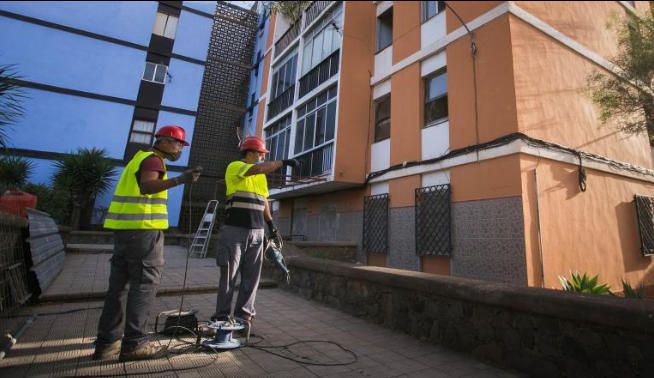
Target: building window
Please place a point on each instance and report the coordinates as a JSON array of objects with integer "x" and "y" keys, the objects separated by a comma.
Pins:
[
  {"x": 165, "y": 25},
  {"x": 385, "y": 30},
  {"x": 645, "y": 214},
  {"x": 322, "y": 41},
  {"x": 155, "y": 72},
  {"x": 316, "y": 121},
  {"x": 278, "y": 137},
  {"x": 141, "y": 132},
  {"x": 383, "y": 119},
  {"x": 431, "y": 8},
  {"x": 433, "y": 225},
  {"x": 283, "y": 87},
  {"x": 375, "y": 224},
  {"x": 436, "y": 99}
]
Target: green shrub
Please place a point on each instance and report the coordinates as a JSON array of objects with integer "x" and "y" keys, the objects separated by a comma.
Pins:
[{"x": 584, "y": 284}]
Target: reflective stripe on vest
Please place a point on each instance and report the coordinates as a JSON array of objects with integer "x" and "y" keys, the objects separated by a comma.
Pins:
[{"x": 131, "y": 210}]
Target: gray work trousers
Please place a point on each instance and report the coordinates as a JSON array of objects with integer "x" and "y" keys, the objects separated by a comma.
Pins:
[
  {"x": 138, "y": 258},
  {"x": 241, "y": 249}
]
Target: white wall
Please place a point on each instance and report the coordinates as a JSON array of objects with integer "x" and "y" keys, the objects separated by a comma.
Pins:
[
  {"x": 433, "y": 30},
  {"x": 435, "y": 140},
  {"x": 380, "y": 155}
]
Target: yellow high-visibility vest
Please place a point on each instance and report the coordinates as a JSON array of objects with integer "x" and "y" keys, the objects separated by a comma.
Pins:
[
  {"x": 131, "y": 210},
  {"x": 246, "y": 196}
]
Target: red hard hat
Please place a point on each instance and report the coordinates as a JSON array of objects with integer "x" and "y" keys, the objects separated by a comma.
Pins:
[
  {"x": 175, "y": 132},
  {"x": 253, "y": 143}
]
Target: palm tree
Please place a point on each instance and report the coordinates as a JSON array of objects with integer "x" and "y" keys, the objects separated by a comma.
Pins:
[
  {"x": 14, "y": 172},
  {"x": 84, "y": 175},
  {"x": 11, "y": 96}
]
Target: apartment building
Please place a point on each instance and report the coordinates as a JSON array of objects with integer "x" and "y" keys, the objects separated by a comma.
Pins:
[{"x": 458, "y": 138}]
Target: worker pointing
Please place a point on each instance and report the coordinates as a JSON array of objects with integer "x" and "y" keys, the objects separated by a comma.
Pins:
[
  {"x": 240, "y": 242},
  {"x": 138, "y": 215}
]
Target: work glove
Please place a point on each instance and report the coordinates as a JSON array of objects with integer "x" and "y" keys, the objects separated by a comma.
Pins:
[
  {"x": 190, "y": 175},
  {"x": 291, "y": 163}
]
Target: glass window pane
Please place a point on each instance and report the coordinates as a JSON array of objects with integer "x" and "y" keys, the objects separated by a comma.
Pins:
[
  {"x": 437, "y": 86},
  {"x": 383, "y": 109},
  {"x": 436, "y": 110},
  {"x": 431, "y": 9},
  {"x": 327, "y": 41},
  {"x": 330, "y": 124},
  {"x": 145, "y": 126},
  {"x": 320, "y": 126},
  {"x": 140, "y": 138},
  {"x": 332, "y": 92},
  {"x": 306, "y": 56},
  {"x": 309, "y": 131},
  {"x": 148, "y": 74},
  {"x": 311, "y": 104},
  {"x": 385, "y": 30},
  {"x": 316, "y": 57},
  {"x": 274, "y": 85},
  {"x": 159, "y": 24},
  {"x": 301, "y": 110},
  {"x": 322, "y": 98},
  {"x": 299, "y": 137},
  {"x": 287, "y": 143},
  {"x": 171, "y": 27},
  {"x": 160, "y": 73}
]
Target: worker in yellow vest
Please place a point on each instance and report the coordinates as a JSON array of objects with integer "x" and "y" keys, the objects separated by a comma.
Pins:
[
  {"x": 240, "y": 242},
  {"x": 138, "y": 215}
]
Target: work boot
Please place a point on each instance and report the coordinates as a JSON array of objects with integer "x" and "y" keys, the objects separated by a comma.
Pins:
[
  {"x": 147, "y": 351},
  {"x": 106, "y": 351}
]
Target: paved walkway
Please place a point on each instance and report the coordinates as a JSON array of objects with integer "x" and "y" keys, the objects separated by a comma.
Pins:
[
  {"x": 89, "y": 274},
  {"x": 59, "y": 342}
]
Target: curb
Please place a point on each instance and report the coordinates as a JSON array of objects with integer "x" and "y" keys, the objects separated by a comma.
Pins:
[{"x": 99, "y": 295}]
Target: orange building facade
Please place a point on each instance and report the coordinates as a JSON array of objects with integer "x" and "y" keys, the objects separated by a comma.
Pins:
[{"x": 463, "y": 144}]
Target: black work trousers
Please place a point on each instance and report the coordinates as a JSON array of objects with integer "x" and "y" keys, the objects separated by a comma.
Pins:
[{"x": 138, "y": 259}]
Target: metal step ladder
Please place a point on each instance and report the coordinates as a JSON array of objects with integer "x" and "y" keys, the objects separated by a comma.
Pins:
[{"x": 200, "y": 243}]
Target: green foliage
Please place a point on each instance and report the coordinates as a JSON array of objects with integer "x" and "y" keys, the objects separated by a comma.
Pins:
[
  {"x": 583, "y": 284},
  {"x": 627, "y": 96},
  {"x": 52, "y": 201},
  {"x": 84, "y": 175},
  {"x": 14, "y": 172},
  {"x": 289, "y": 9},
  {"x": 630, "y": 292},
  {"x": 11, "y": 97}
]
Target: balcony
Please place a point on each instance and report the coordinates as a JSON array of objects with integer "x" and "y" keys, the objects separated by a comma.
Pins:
[
  {"x": 317, "y": 162},
  {"x": 319, "y": 74},
  {"x": 314, "y": 10},
  {"x": 287, "y": 38},
  {"x": 281, "y": 102}
]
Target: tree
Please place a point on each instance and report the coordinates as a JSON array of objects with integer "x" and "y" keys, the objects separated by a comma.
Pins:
[
  {"x": 289, "y": 9},
  {"x": 14, "y": 172},
  {"x": 11, "y": 96},
  {"x": 627, "y": 95},
  {"x": 84, "y": 175}
]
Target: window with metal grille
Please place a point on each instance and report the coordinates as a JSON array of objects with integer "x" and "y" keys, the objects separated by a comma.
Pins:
[
  {"x": 645, "y": 212},
  {"x": 433, "y": 221},
  {"x": 375, "y": 223}
]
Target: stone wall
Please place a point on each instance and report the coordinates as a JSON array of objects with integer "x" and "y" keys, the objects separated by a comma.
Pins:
[{"x": 540, "y": 332}]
